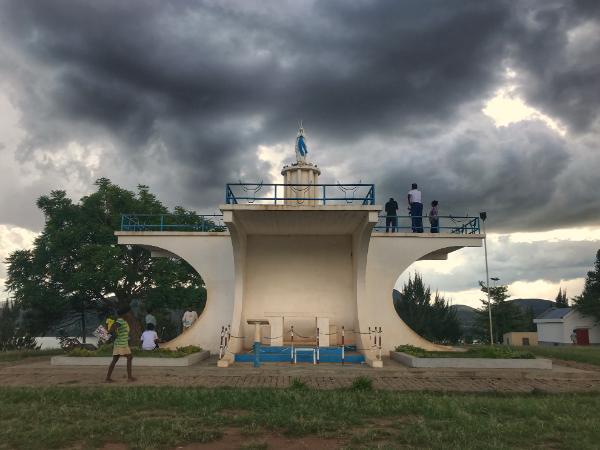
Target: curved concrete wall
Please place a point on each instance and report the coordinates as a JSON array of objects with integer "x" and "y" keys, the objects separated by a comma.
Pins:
[
  {"x": 389, "y": 256},
  {"x": 348, "y": 277},
  {"x": 211, "y": 255}
]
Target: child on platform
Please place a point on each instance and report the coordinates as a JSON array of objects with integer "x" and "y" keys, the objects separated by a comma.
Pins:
[
  {"x": 149, "y": 338},
  {"x": 434, "y": 219}
]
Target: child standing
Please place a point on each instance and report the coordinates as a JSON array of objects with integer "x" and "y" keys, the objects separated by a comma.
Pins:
[
  {"x": 434, "y": 219},
  {"x": 120, "y": 329}
]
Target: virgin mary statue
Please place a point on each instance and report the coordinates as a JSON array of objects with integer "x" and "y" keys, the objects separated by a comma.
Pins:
[{"x": 301, "y": 148}]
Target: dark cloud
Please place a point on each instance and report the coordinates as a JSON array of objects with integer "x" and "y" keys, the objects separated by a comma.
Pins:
[
  {"x": 552, "y": 262},
  {"x": 179, "y": 95},
  {"x": 556, "y": 50}
]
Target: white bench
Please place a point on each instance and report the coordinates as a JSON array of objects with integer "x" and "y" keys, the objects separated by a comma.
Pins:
[{"x": 305, "y": 350}]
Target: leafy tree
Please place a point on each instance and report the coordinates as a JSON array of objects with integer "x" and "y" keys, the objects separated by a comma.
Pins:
[
  {"x": 433, "y": 319},
  {"x": 561, "y": 299},
  {"x": 506, "y": 316},
  {"x": 76, "y": 263},
  {"x": 12, "y": 336},
  {"x": 588, "y": 303}
]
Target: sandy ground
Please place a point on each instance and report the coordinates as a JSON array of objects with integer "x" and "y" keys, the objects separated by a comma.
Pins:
[{"x": 562, "y": 378}]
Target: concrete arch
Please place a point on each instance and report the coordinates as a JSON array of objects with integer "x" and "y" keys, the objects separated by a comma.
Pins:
[
  {"x": 389, "y": 256},
  {"x": 212, "y": 257}
]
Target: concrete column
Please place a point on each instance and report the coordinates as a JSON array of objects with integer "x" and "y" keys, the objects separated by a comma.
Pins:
[
  {"x": 307, "y": 174},
  {"x": 323, "y": 326},
  {"x": 276, "y": 331}
]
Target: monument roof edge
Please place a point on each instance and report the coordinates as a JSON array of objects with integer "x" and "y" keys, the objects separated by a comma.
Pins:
[{"x": 254, "y": 207}]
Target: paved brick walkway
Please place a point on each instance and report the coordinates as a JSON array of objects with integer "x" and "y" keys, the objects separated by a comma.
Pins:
[{"x": 393, "y": 376}]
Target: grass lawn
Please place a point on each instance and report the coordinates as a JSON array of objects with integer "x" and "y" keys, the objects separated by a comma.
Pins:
[
  {"x": 164, "y": 417},
  {"x": 17, "y": 355},
  {"x": 496, "y": 352},
  {"x": 588, "y": 355}
]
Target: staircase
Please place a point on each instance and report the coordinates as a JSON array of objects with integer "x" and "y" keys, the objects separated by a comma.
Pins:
[{"x": 284, "y": 354}]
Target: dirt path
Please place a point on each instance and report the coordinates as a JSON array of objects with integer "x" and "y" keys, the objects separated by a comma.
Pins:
[{"x": 563, "y": 378}]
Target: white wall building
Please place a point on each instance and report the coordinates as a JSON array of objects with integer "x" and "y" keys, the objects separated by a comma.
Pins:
[{"x": 565, "y": 326}]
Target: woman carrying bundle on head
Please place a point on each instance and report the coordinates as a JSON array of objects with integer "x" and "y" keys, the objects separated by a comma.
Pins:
[{"x": 120, "y": 332}]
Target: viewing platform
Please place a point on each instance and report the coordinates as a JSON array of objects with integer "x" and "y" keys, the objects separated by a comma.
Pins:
[{"x": 332, "y": 203}]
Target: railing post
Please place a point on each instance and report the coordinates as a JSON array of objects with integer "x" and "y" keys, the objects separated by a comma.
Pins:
[
  {"x": 324, "y": 195},
  {"x": 275, "y": 194},
  {"x": 162, "y": 216},
  {"x": 122, "y": 221}
]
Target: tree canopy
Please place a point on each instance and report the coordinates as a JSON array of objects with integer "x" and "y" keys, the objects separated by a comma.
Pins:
[
  {"x": 434, "y": 319},
  {"x": 561, "y": 299},
  {"x": 75, "y": 262},
  {"x": 506, "y": 316},
  {"x": 588, "y": 303}
]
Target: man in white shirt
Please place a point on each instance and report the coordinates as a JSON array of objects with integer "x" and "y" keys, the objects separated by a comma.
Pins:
[
  {"x": 189, "y": 317},
  {"x": 415, "y": 205}
]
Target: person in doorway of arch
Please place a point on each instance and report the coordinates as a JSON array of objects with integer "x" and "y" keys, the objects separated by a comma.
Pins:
[
  {"x": 189, "y": 317},
  {"x": 120, "y": 332},
  {"x": 416, "y": 208},
  {"x": 150, "y": 318},
  {"x": 391, "y": 215}
]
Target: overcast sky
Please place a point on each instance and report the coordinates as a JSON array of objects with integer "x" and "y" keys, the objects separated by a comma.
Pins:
[{"x": 488, "y": 105}]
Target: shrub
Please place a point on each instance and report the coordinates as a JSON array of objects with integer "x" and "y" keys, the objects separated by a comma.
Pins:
[
  {"x": 496, "y": 352},
  {"x": 106, "y": 350},
  {"x": 362, "y": 384},
  {"x": 412, "y": 350},
  {"x": 297, "y": 383}
]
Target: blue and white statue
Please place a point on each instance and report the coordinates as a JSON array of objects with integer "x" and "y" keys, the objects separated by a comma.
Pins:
[{"x": 301, "y": 148}]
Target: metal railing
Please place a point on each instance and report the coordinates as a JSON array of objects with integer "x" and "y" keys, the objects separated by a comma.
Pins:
[
  {"x": 309, "y": 194},
  {"x": 446, "y": 224},
  {"x": 172, "y": 222}
]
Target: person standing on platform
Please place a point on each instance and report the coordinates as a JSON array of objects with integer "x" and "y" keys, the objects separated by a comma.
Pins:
[
  {"x": 189, "y": 317},
  {"x": 416, "y": 209},
  {"x": 434, "y": 219},
  {"x": 391, "y": 215}
]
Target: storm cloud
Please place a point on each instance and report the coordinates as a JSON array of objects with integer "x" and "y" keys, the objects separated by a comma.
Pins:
[{"x": 180, "y": 95}]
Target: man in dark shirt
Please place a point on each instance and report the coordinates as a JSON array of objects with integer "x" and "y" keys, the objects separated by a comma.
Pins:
[{"x": 391, "y": 211}]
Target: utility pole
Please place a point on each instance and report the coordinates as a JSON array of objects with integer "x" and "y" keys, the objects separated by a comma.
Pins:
[{"x": 483, "y": 216}]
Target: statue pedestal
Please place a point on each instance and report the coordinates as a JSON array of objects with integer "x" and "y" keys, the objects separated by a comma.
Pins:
[{"x": 306, "y": 174}]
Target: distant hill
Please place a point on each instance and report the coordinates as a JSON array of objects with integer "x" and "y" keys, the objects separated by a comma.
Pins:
[
  {"x": 538, "y": 305},
  {"x": 466, "y": 316}
]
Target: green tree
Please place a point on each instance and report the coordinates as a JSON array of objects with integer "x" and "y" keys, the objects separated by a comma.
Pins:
[
  {"x": 76, "y": 263},
  {"x": 561, "y": 299},
  {"x": 588, "y": 303},
  {"x": 506, "y": 316},
  {"x": 433, "y": 319},
  {"x": 12, "y": 336}
]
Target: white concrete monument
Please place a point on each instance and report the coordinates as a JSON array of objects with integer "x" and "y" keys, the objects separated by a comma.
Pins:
[{"x": 311, "y": 258}]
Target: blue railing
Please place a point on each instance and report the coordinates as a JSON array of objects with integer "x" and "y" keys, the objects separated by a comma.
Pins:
[
  {"x": 447, "y": 224},
  {"x": 308, "y": 194},
  {"x": 172, "y": 222}
]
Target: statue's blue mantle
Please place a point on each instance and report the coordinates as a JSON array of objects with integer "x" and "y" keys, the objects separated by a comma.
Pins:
[{"x": 301, "y": 146}]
